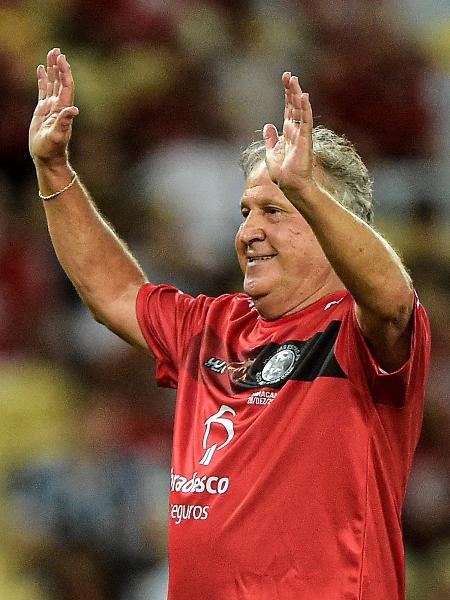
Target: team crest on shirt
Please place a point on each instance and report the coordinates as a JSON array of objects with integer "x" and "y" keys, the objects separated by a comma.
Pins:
[{"x": 280, "y": 365}]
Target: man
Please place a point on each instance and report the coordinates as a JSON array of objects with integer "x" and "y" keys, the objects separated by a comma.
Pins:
[{"x": 300, "y": 401}]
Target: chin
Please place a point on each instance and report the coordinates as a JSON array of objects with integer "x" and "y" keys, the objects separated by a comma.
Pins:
[
  {"x": 255, "y": 289},
  {"x": 266, "y": 307},
  {"x": 267, "y": 302}
]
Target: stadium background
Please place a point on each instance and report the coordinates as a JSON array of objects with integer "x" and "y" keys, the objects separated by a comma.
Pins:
[{"x": 168, "y": 92}]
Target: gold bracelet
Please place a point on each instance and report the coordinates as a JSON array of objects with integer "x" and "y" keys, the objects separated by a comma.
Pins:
[{"x": 70, "y": 184}]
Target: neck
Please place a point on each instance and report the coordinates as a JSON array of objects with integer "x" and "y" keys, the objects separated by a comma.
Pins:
[{"x": 271, "y": 308}]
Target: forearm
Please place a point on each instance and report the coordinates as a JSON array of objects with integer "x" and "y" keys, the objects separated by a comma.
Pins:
[
  {"x": 95, "y": 260},
  {"x": 365, "y": 263}
]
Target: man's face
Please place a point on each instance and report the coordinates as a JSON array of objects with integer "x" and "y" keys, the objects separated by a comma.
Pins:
[{"x": 282, "y": 261}]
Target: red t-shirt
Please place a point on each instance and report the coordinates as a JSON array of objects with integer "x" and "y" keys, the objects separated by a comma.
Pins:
[{"x": 291, "y": 448}]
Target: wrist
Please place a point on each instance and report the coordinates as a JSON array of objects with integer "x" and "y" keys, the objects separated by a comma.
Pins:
[
  {"x": 300, "y": 190},
  {"x": 48, "y": 172},
  {"x": 55, "y": 164},
  {"x": 60, "y": 191},
  {"x": 53, "y": 178}
]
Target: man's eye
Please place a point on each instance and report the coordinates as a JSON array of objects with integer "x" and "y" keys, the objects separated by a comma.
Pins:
[
  {"x": 244, "y": 213},
  {"x": 272, "y": 210}
]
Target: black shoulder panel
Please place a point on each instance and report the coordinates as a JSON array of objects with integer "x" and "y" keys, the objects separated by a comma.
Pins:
[{"x": 275, "y": 364}]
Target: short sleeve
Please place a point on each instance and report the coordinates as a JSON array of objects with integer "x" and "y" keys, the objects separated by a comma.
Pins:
[
  {"x": 168, "y": 319},
  {"x": 397, "y": 388}
]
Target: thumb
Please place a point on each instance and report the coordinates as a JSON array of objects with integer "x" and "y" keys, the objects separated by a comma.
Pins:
[
  {"x": 65, "y": 117},
  {"x": 270, "y": 135}
]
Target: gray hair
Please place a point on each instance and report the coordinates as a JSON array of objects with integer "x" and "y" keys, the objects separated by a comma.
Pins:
[{"x": 347, "y": 177}]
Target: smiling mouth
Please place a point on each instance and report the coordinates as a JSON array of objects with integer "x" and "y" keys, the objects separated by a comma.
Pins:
[{"x": 252, "y": 260}]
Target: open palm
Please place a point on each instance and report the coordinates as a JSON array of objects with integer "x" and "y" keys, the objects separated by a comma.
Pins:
[
  {"x": 289, "y": 158},
  {"x": 51, "y": 125}
]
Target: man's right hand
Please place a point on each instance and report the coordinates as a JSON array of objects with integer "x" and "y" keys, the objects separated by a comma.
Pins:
[{"x": 51, "y": 125}]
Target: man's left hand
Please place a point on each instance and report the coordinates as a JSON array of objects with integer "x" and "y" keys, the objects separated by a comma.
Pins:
[{"x": 290, "y": 159}]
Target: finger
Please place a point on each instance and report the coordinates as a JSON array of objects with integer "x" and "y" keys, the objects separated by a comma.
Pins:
[
  {"x": 56, "y": 84},
  {"x": 64, "y": 120},
  {"x": 52, "y": 56},
  {"x": 270, "y": 135},
  {"x": 285, "y": 79},
  {"x": 300, "y": 128},
  {"x": 66, "y": 90},
  {"x": 42, "y": 82},
  {"x": 292, "y": 90},
  {"x": 307, "y": 115},
  {"x": 56, "y": 71},
  {"x": 294, "y": 86},
  {"x": 50, "y": 73},
  {"x": 43, "y": 105},
  {"x": 295, "y": 97}
]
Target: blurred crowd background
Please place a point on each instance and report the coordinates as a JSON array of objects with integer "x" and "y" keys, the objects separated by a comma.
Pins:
[{"x": 169, "y": 91}]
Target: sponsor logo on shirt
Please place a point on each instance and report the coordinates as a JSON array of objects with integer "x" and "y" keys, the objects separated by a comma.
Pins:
[
  {"x": 195, "y": 484},
  {"x": 222, "y": 426},
  {"x": 186, "y": 512},
  {"x": 216, "y": 365}
]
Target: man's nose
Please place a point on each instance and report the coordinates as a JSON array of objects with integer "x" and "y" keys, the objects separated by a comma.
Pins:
[{"x": 252, "y": 230}]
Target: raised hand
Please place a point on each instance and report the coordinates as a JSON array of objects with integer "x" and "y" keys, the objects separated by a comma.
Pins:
[
  {"x": 290, "y": 159},
  {"x": 51, "y": 125}
]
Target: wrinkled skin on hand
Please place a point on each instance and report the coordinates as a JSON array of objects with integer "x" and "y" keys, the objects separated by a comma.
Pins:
[
  {"x": 290, "y": 159},
  {"x": 51, "y": 125}
]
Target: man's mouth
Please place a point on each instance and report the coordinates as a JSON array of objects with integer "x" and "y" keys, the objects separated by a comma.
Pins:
[{"x": 251, "y": 260}]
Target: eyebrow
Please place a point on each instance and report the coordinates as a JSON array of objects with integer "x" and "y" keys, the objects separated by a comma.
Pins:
[{"x": 261, "y": 202}]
